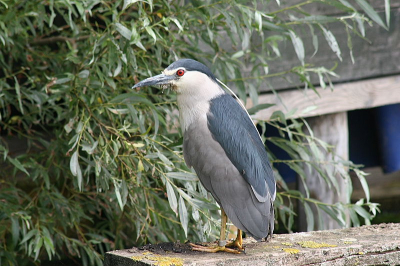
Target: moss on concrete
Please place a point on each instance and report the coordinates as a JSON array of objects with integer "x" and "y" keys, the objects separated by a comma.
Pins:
[
  {"x": 158, "y": 260},
  {"x": 291, "y": 250},
  {"x": 313, "y": 244}
]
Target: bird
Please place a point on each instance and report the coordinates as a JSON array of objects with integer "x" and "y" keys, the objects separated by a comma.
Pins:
[{"x": 222, "y": 144}]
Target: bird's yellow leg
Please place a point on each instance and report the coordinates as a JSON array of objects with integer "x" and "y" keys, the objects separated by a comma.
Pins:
[
  {"x": 238, "y": 243},
  {"x": 222, "y": 235},
  {"x": 221, "y": 243}
]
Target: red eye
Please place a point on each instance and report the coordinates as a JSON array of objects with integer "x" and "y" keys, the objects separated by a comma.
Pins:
[{"x": 180, "y": 72}]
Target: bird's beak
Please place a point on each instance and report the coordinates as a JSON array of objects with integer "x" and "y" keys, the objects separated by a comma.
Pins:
[{"x": 161, "y": 79}]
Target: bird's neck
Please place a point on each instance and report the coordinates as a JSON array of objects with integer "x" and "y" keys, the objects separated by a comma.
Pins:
[
  {"x": 191, "y": 113},
  {"x": 194, "y": 103}
]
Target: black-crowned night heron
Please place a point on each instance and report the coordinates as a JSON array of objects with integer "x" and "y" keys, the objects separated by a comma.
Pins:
[{"x": 223, "y": 146}]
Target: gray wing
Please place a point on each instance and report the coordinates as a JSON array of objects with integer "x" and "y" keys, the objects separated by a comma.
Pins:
[
  {"x": 231, "y": 126},
  {"x": 222, "y": 179}
]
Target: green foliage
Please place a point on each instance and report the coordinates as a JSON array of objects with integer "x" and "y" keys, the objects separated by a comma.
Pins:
[{"x": 103, "y": 168}]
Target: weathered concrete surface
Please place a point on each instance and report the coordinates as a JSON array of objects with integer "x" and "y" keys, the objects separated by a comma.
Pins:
[{"x": 366, "y": 245}]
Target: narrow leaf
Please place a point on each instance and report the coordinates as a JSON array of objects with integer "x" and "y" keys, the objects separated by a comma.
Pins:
[
  {"x": 332, "y": 214},
  {"x": 316, "y": 19},
  {"x": 387, "y": 12},
  {"x": 15, "y": 231},
  {"x": 369, "y": 10},
  {"x": 38, "y": 246},
  {"x": 29, "y": 235},
  {"x": 62, "y": 80},
  {"x": 118, "y": 194},
  {"x": 124, "y": 31},
  {"x": 314, "y": 40},
  {"x": 245, "y": 40},
  {"x": 182, "y": 176},
  {"x": 183, "y": 215},
  {"x": 258, "y": 19},
  {"x": 309, "y": 109},
  {"x": 330, "y": 38},
  {"x": 309, "y": 217},
  {"x": 73, "y": 164},
  {"x": 18, "y": 164},
  {"x": 118, "y": 68},
  {"x": 364, "y": 184},
  {"x": 76, "y": 169},
  {"x": 259, "y": 107},
  {"x": 18, "y": 91},
  {"x": 164, "y": 159},
  {"x": 362, "y": 212},
  {"x": 298, "y": 46},
  {"x": 237, "y": 54},
  {"x": 156, "y": 121},
  {"x": 127, "y": 3},
  {"x": 84, "y": 74},
  {"x": 48, "y": 243},
  {"x": 177, "y": 23},
  {"x": 350, "y": 44},
  {"x": 151, "y": 33},
  {"x": 140, "y": 166},
  {"x": 320, "y": 219},
  {"x": 90, "y": 148},
  {"x": 360, "y": 23},
  {"x": 354, "y": 218},
  {"x": 279, "y": 115},
  {"x": 173, "y": 203}
]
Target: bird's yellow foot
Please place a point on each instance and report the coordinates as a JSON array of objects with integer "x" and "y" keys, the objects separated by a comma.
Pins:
[
  {"x": 214, "y": 249},
  {"x": 237, "y": 244}
]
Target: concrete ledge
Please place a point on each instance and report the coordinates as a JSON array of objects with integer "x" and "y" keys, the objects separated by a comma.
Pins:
[{"x": 366, "y": 245}]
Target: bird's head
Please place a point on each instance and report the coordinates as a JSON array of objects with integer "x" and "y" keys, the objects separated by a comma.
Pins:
[{"x": 183, "y": 76}]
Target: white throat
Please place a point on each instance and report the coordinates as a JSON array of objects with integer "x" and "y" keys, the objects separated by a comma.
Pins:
[{"x": 194, "y": 100}]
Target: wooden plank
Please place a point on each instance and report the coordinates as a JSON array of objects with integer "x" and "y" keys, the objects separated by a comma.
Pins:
[
  {"x": 344, "y": 97},
  {"x": 321, "y": 8},
  {"x": 375, "y": 57},
  {"x": 382, "y": 186},
  {"x": 366, "y": 245}
]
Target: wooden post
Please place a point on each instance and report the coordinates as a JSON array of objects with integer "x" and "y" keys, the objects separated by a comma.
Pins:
[{"x": 332, "y": 129}]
